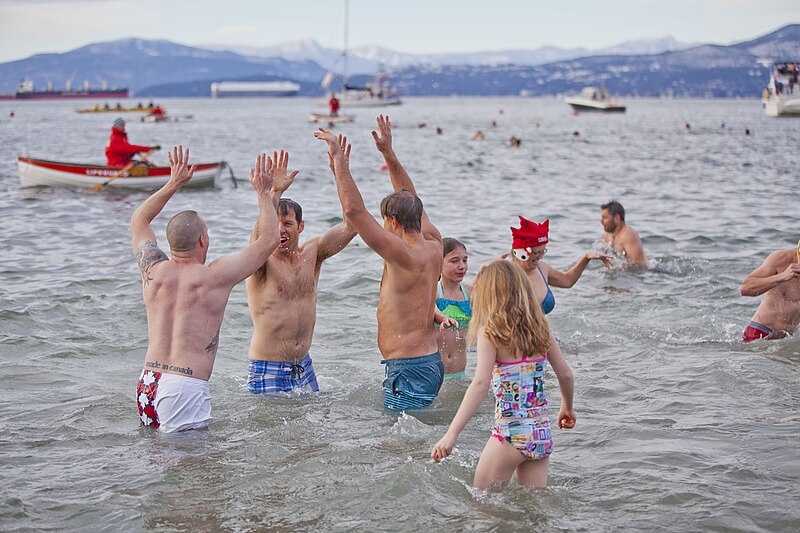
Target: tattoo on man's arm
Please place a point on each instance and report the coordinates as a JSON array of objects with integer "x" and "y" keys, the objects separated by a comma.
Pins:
[{"x": 147, "y": 255}]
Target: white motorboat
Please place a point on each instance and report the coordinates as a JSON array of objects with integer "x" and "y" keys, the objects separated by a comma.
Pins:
[
  {"x": 595, "y": 99},
  {"x": 781, "y": 98}
]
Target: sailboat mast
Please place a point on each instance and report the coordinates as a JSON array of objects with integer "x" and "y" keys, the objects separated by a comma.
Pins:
[{"x": 346, "y": 31}]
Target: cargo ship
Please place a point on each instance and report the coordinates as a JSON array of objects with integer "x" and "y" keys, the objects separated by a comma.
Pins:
[
  {"x": 27, "y": 91},
  {"x": 225, "y": 89}
]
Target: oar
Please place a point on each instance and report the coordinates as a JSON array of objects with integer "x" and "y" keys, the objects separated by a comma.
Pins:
[
  {"x": 120, "y": 172},
  {"x": 798, "y": 251}
]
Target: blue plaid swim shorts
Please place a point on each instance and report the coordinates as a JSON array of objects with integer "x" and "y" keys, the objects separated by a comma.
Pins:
[{"x": 275, "y": 376}]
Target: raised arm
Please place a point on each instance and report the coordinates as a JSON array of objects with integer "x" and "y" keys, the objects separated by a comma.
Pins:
[
  {"x": 180, "y": 173},
  {"x": 769, "y": 275},
  {"x": 476, "y": 392},
  {"x": 397, "y": 173},
  {"x": 567, "y": 279},
  {"x": 336, "y": 238},
  {"x": 234, "y": 268},
  {"x": 388, "y": 246}
]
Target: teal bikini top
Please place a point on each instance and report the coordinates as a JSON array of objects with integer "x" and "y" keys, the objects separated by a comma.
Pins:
[{"x": 458, "y": 310}]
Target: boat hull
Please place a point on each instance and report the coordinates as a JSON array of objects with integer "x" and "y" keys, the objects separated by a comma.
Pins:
[
  {"x": 57, "y": 95},
  {"x": 782, "y": 107},
  {"x": 329, "y": 119},
  {"x": 42, "y": 173},
  {"x": 595, "y": 107}
]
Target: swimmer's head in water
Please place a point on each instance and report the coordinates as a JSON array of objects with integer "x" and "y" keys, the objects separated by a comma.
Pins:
[{"x": 608, "y": 216}]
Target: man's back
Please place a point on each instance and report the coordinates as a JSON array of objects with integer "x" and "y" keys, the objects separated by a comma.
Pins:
[
  {"x": 407, "y": 300},
  {"x": 185, "y": 306}
]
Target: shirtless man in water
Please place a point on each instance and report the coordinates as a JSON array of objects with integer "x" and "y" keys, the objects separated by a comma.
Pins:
[
  {"x": 282, "y": 295},
  {"x": 619, "y": 236},
  {"x": 411, "y": 248},
  {"x": 185, "y": 299},
  {"x": 778, "y": 279}
]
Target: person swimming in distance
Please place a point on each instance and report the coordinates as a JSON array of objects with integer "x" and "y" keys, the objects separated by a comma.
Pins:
[
  {"x": 619, "y": 236},
  {"x": 529, "y": 246},
  {"x": 453, "y": 302}
]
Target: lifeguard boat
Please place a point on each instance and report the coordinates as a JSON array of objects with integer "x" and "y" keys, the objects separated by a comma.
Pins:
[{"x": 42, "y": 173}]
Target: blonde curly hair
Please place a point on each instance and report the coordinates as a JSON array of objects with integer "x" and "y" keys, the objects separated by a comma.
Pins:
[{"x": 505, "y": 307}]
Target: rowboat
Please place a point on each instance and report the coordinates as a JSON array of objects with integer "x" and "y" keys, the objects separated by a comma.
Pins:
[
  {"x": 329, "y": 119},
  {"x": 42, "y": 173},
  {"x": 114, "y": 110}
]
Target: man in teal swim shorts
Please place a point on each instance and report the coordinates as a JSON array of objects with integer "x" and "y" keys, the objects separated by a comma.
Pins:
[{"x": 411, "y": 248}]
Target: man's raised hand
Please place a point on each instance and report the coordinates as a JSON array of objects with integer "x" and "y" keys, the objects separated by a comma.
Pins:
[
  {"x": 180, "y": 171},
  {"x": 261, "y": 176},
  {"x": 383, "y": 137},
  {"x": 342, "y": 140},
  {"x": 281, "y": 180}
]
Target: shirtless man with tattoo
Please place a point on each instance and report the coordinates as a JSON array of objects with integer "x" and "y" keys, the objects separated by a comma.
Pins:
[
  {"x": 282, "y": 295},
  {"x": 185, "y": 299}
]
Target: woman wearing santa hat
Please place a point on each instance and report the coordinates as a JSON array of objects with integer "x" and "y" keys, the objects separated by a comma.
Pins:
[{"x": 527, "y": 250}]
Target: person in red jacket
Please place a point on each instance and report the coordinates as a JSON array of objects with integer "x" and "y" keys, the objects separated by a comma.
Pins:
[
  {"x": 119, "y": 151},
  {"x": 334, "y": 105}
]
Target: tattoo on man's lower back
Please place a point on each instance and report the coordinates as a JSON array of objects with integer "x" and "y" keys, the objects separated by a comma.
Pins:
[
  {"x": 213, "y": 345},
  {"x": 155, "y": 365}
]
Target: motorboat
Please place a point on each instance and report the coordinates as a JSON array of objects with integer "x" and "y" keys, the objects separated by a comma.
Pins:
[
  {"x": 781, "y": 98},
  {"x": 43, "y": 173},
  {"x": 595, "y": 99}
]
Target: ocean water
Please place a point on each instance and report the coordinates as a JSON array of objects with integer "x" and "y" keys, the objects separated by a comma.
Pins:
[{"x": 681, "y": 427}]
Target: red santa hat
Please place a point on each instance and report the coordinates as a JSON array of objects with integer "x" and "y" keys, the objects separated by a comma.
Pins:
[{"x": 529, "y": 234}]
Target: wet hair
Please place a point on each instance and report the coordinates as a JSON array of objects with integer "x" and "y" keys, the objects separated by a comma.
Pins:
[
  {"x": 184, "y": 230},
  {"x": 287, "y": 203},
  {"x": 405, "y": 207},
  {"x": 506, "y": 309},
  {"x": 451, "y": 244},
  {"x": 614, "y": 208}
]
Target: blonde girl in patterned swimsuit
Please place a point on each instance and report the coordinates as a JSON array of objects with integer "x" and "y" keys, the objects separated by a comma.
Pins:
[{"x": 514, "y": 345}]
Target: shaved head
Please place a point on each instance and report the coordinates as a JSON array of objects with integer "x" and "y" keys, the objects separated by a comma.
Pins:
[{"x": 184, "y": 231}]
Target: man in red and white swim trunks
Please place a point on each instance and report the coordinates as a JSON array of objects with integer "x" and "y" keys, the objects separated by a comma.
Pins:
[
  {"x": 778, "y": 279},
  {"x": 186, "y": 299}
]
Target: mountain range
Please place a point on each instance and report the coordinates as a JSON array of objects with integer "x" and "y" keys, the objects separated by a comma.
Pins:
[{"x": 647, "y": 68}]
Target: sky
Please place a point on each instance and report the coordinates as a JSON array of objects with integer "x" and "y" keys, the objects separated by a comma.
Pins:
[{"x": 29, "y": 27}]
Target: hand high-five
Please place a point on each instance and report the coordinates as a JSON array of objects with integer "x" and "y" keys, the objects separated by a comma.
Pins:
[
  {"x": 262, "y": 175},
  {"x": 281, "y": 180},
  {"x": 342, "y": 140},
  {"x": 336, "y": 145},
  {"x": 180, "y": 172},
  {"x": 383, "y": 140}
]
